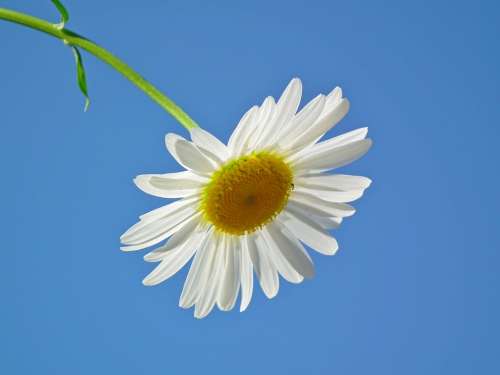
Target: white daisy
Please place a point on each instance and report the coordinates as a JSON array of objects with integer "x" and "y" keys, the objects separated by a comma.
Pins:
[{"x": 250, "y": 205}]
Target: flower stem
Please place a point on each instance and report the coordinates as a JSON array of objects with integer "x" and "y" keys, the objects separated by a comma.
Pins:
[{"x": 76, "y": 40}]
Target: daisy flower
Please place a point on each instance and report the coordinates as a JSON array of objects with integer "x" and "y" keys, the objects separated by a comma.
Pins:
[{"x": 253, "y": 204}]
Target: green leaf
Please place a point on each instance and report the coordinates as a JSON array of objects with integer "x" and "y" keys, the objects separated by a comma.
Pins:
[
  {"x": 82, "y": 80},
  {"x": 64, "y": 13}
]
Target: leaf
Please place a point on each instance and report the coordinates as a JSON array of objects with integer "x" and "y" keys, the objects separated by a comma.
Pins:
[
  {"x": 82, "y": 80},
  {"x": 64, "y": 14}
]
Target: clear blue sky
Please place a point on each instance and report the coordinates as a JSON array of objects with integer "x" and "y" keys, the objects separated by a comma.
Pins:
[{"x": 415, "y": 286}]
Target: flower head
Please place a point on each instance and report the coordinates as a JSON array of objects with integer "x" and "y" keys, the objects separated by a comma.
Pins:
[{"x": 250, "y": 205}]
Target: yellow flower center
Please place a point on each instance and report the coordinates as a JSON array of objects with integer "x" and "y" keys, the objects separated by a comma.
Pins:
[{"x": 247, "y": 193}]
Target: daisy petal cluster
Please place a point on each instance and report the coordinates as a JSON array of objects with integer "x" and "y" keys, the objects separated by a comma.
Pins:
[{"x": 250, "y": 206}]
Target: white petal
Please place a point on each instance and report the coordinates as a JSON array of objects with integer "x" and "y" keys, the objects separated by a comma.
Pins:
[
  {"x": 332, "y": 99},
  {"x": 340, "y": 140},
  {"x": 265, "y": 114},
  {"x": 237, "y": 139},
  {"x": 333, "y": 158},
  {"x": 285, "y": 269},
  {"x": 198, "y": 271},
  {"x": 286, "y": 108},
  {"x": 291, "y": 249},
  {"x": 303, "y": 120},
  {"x": 230, "y": 277},
  {"x": 336, "y": 181},
  {"x": 147, "y": 230},
  {"x": 331, "y": 195},
  {"x": 327, "y": 222},
  {"x": 174, "y": 260},
  {"x": 246, "y": 275},
  {"x": 187, "y": 154},
  {"x": 170, "y": 185},
  {"x": 208, "y": 295},
  {"x": 264, "y": 268},
  {"x": 168, "y": 209},
  {"x": 213, "y": 158},
  {"x": 331, "y": 102},
  {"x": 320, "y": 207},
  {"x": 208, "y": 142},
  {"x": 187, "y": 230},
  {"x": 309, "y": 232},
  {"x": 152, "y": 240},
  {"x": 344, "y": 139},
  {"x": 321, "y": 126}
]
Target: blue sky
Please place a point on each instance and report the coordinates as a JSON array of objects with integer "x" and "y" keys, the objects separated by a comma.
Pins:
[{"x": 414, "y": 287}]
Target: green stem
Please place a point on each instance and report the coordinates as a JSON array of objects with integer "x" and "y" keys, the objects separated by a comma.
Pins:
[{"x": 76, "y": 40}]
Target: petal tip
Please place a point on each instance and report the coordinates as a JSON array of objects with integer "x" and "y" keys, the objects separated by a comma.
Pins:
[
  {"x": 369, "y": 181},
  {"x": 140, "y": 180},
  {"x": 270, "y": 295},
  {"x": 148, "y": 282},
  {"x": 150, "y": 258}
]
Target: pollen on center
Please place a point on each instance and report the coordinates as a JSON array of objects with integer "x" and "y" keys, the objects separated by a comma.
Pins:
[{"x": 247, "y": 193}]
